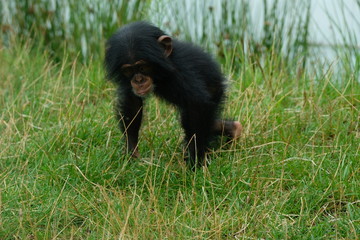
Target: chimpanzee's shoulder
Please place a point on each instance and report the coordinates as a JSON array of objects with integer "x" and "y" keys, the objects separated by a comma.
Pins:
[{"x": 190, "y": 51}]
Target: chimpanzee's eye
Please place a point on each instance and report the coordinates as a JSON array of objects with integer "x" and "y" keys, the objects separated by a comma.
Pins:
[
  {"x": 145, "y": 69},
  {"x": 127, "y": 71}
]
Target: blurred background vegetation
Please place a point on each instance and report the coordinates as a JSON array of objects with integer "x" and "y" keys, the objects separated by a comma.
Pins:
[
  {"x": 66, "y": 27},
  {"x": 79, "y": 28}
]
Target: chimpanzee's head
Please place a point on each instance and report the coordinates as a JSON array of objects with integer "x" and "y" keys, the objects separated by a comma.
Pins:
[{"x": 136, "y": 53}]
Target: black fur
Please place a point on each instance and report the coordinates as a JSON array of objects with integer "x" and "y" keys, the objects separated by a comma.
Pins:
[{"x": 189, "y": 79}]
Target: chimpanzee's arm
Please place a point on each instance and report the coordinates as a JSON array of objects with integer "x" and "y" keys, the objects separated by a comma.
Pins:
[{"x": 129, "y": 110}]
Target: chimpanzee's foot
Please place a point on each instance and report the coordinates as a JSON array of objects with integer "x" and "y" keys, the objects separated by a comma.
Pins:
[
  {"x": 134, "y": 152},
  {"x": 237, "y": 129},
  {"x": 231, "y": 129}
]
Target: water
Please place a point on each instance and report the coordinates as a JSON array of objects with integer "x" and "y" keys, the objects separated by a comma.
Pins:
[{"x": 335, "y": 22}]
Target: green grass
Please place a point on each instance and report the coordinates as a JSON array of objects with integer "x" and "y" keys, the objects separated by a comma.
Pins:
[{"x": 294, "y": 174}]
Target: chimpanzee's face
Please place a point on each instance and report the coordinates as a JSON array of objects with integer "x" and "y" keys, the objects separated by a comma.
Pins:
[{"x": 139, "y": 74}]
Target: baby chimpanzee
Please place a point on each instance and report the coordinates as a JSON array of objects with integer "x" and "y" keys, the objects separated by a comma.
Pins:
[{"x": 141, "y": 58}]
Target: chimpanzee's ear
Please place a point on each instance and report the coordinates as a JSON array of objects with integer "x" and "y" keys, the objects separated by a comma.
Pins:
[{"x": 166, "y": 42}]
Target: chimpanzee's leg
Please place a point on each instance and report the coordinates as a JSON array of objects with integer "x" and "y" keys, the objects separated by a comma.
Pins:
[{"x": 198, "y": 122}]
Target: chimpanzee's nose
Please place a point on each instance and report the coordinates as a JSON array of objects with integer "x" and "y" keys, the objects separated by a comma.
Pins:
[{"x": 139, "y": 78}]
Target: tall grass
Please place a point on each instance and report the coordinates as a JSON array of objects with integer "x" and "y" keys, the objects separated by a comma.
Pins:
[
  {"x": 294, "y": 174},
  {"x": 81, "y": 27},
  {"x": 281, "y": 26},
  {"x": 78, "y": 26}
]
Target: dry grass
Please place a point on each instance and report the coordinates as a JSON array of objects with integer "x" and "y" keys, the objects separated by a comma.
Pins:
[{"x": 293, "y": 175}]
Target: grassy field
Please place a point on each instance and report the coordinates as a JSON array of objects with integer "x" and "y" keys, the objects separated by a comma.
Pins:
[{"x": 294, "y": 174}]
